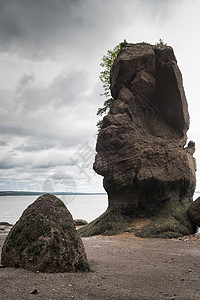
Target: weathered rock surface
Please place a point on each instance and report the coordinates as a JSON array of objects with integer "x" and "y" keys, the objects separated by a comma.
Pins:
[
  {"x": 194, "y": 212},
  {"x": 148, "y": 170},
  {"x": 45, "y": 239}
]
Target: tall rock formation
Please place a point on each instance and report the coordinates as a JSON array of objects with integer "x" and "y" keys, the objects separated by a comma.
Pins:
[{"x": 148, "y": 170}]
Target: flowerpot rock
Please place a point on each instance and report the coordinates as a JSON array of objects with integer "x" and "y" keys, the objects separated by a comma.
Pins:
[{"x": 147, "y": 166}]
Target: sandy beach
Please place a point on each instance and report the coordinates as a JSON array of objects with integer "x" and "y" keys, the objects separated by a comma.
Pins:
[{"x": 123, "y": 267}]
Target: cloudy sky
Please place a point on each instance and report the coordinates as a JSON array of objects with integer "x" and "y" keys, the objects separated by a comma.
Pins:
[{"x": 50, "y": 51}]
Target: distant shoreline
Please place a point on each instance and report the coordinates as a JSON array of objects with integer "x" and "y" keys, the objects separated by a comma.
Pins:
[
  {"x": 21, "y": 193},
  {"x": 28, "y": 193}
]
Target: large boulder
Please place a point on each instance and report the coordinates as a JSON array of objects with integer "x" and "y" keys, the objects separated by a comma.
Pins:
[
  {"x": 148, "y": 170},
  {"x": 194, "y": 212},
  {"x": 45, "y": 239}
]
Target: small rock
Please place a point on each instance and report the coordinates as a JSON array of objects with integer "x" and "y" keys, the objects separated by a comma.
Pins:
[
  {"x": 5, "y": 224},
  {"x": 189, "y": 270},
  {"x": 80, "y": 222},
  {"x": 33, "y": 291},
  {"x": 182, "y": 279}
]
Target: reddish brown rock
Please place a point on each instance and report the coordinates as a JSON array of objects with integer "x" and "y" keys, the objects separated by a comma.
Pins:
[
  {"x": 148, "y": 170},
  {"x": 194, "y": 212},
  {"x": 45, "y": 239}
]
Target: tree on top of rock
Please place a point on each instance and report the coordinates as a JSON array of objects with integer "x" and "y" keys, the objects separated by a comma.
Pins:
[{"x": 106, "y": 64}]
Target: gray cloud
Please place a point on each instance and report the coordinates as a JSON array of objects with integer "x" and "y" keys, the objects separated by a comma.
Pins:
[
  {"x": 51, "y": 112},
  {"x": 3, "y": 143},
  {"x": 42, "y": 126},
  {"x": 30, "y": 27},
  {"x": 24, "y": 81},
  {"x": 40, "y": 159},
  {"x": 39, "y": 29},
  {"x": 26, "y": 23}
]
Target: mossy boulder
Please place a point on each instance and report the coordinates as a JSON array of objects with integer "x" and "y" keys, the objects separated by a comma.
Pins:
[
  {"x": 45, "y": 239},
  {"x": 194, "y": 212}
]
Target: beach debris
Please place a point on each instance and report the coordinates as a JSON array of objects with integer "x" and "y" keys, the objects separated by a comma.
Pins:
[
  {"x": 33, "y": 291},
  {"x": 148, "y": 168},
  {"x": 194, "y": 212},
  {"x": 45, "y": 239},
  {"x": 5, "y": 226}
]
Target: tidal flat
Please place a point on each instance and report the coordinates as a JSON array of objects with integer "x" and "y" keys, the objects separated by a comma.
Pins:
[{"x": 123, "y": 267}]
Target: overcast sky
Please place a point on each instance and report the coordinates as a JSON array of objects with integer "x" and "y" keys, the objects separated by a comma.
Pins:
[{"x": 50, "y": 51}]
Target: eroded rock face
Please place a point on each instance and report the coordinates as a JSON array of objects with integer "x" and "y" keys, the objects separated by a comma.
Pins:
[
  {"x": 45, "y": 239},
  {"x": 148, "y": 170}
]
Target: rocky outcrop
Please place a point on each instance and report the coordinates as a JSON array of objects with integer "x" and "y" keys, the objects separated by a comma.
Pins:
[
  {"x": 194, "y": 212},
  {"x": 148, "y": 170},
  {"x": 45, "y": 239}
]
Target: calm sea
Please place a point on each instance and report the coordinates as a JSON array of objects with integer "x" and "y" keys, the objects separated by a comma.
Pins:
[{"x": 87, "y": 207}]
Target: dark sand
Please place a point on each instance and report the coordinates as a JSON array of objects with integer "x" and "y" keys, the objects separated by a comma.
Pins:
[{"x": 124, "y": 267}]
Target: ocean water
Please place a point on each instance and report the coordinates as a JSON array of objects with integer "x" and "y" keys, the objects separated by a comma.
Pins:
[{"x": 87, "y": 207}]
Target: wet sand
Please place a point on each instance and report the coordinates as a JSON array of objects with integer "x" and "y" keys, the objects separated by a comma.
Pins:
[{"x": 123, "y": 267}]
